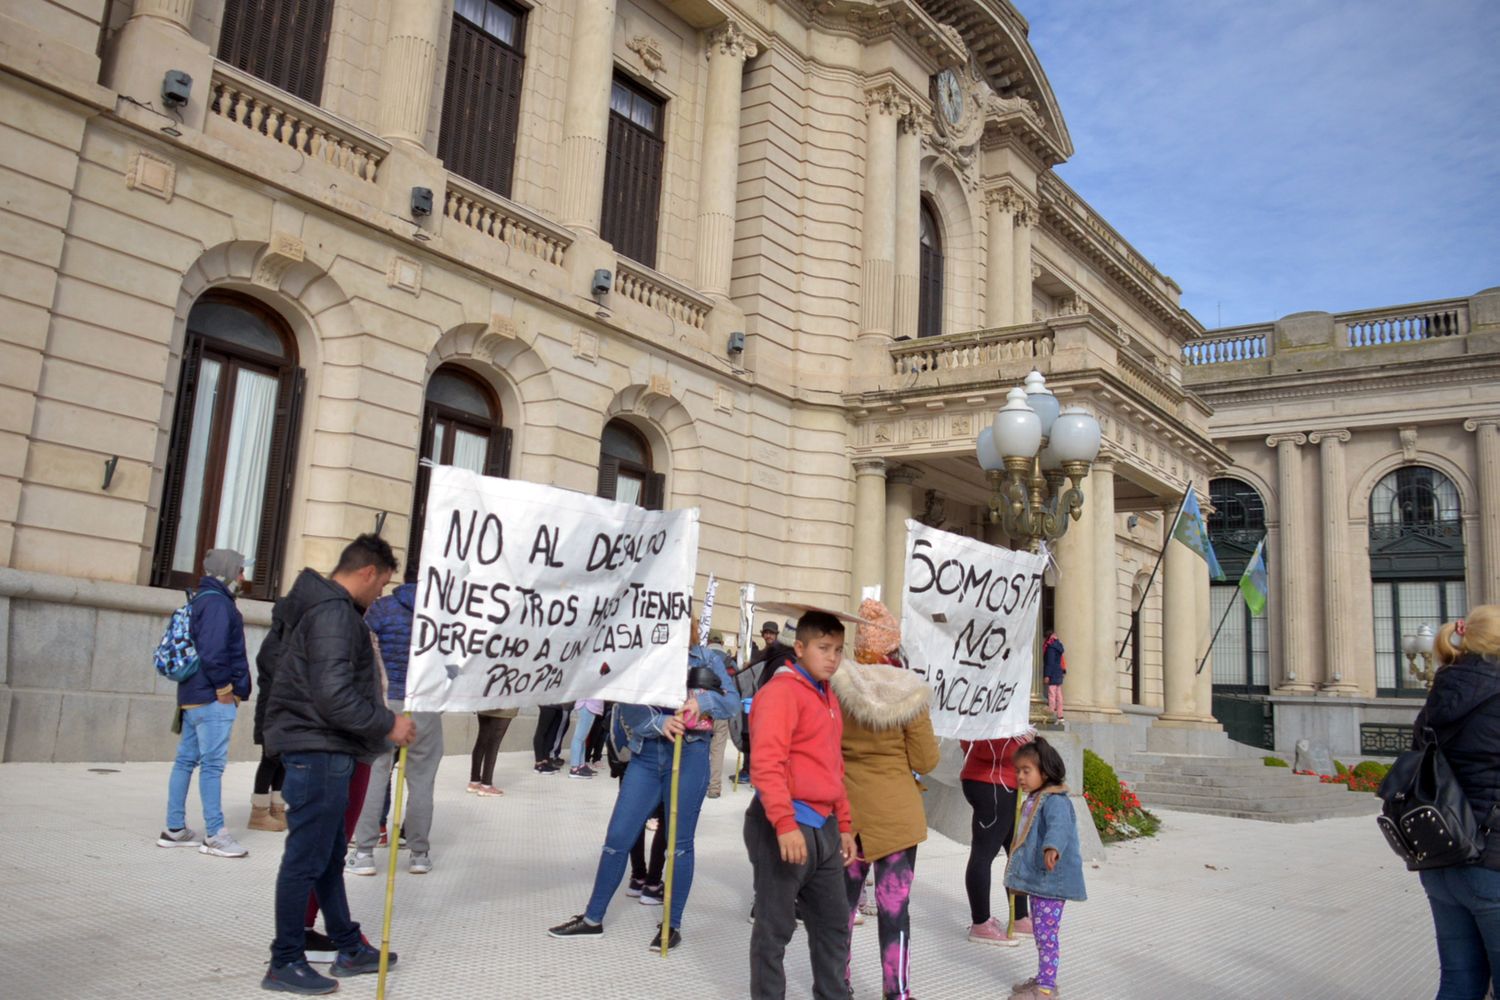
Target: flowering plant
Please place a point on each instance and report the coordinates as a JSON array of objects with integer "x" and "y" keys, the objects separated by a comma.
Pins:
[{"x": 1114, "y": 806}]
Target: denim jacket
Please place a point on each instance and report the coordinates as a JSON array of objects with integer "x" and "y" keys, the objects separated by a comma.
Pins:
[
  {"x": 1052, "y": 824},
  {"x": 643, "y": 722}
]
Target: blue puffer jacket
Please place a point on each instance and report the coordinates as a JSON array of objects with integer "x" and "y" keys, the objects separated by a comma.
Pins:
[
  {"x": 1053, "y": 825},
  {"x": 1052, "y": 661},
  {"x": 218, "y": 632},
  {"x": 390, "y": 619}
]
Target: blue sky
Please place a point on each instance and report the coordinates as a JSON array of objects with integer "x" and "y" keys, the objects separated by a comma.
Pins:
[{"x": 1275, "y": 156}]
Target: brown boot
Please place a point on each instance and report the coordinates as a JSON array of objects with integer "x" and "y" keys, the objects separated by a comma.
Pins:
[
  {"x": 278, "y": 812},
  {"x": 260, "y": 814}
]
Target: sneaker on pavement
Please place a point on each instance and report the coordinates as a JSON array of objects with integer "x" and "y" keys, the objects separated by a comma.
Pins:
[
  {"x": 473, "y": 788},
  {"x": 578, "y": 926},
  {"x": 1032, "y": 991},
  {"x": 545, "y": 767},
  {"x": 385, "y": 838},
  {"x": 635, "y": 887},
  {"x": 186, "y": 837},
  {"x": 557, "y": 762},
  {"x": 298, "y": 977},
  {"x": 364, "y": 958},
  {"x": 859, "y": 917},
  {"x": 318, "y": 947},
  {"x": 1022, "y": 926},
  {"x": 222, "y": 845},
  {"x": 360, "y": 863},
  {"x": 992, "y": 932},
  {"x": 581, "y": 771},
  {"x": 488, "y": 791},
  {"x": 651, "y": 894},
  {"x": 420, "y": 864},
  {"x": 673, "y": 941}
]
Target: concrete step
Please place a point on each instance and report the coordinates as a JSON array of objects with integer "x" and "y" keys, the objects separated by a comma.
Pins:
[
  {"x": 1243, "y": 787},
  {"x": 1228, "y": 780},
  {"x": 1354, "y": 804},
  {"x": 1184, "y": 764},
  {"x": 1177, "y": 786},
  {"x": 1281, "y": 816}
]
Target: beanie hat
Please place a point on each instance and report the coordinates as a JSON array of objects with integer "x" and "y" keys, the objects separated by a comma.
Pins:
[
  {"x": 878, "y": 635},
  {"x": 225, "y": 564}
]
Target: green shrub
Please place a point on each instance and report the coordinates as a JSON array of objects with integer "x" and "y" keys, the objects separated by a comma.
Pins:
[
  {"x": 1101, "y": 781},
  {"x": 1274, "y": 762},
  {"x": 1372, "y": 770},
  {"x": 1339, "y": 767}
]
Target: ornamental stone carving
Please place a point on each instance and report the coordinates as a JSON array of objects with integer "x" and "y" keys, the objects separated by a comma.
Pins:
[
  {"x": 729, "y": 40},
  {"x": 649, "y": 49},
  {"x": 887, "y": 99}
]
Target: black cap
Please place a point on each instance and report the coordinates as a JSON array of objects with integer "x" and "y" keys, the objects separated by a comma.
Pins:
[
  {"x": 704, "y": 679},
  {"x": 770, "y": 627}
]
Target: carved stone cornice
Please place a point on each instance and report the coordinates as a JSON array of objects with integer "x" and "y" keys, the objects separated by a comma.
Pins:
[
  {"x": 1340, "y": 436},
  {"x": 869, "y": 467},
  {"x": 903, "y": 20},
  {"x": 902, "y": 475},
  {"x": 729, "y": 39},
  {"x": 1297, "y": 438}
]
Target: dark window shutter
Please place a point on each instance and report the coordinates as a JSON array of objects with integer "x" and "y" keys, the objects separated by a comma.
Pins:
[
  {"x": 654, "y": 494},
  {"x": 283, "y": 42},
  {"x": 481, "y": 106},
  {"x": 609, "y": 476},
  {"x": 182, "y": 433},
  {"x": 930, "y": 293},
  {"x": 497, "y": 463},
  {"x": 281, "y": 465},
  {"x": 632, "y": 188},
  {"x": 419, "y": 494}
]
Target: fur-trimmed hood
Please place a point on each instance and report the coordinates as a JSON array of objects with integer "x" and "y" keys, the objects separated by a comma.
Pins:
[{"x": 879, "y": 695}]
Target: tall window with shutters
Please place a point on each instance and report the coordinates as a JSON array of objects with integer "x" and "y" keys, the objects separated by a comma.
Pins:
[
  {"x": 283, "y": 42},
  {"x": 930, "y": 281},
  {"x": 625, "y": 471},
  {"x": 482, "y": 96},
  {"x": 632, "y": 171},
  {"x": 460, "y": 426},
  {"x": 233, "y": 446}
]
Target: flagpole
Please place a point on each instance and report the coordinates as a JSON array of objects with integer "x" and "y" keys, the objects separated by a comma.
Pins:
[
  {"x": 1222, "y": 619},
  {"x": 1147, "y": 589}
]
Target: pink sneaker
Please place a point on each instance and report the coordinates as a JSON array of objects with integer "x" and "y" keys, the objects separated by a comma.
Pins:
[
  {"x": 487, "y": 791},
  {"x": 991, "y": 932},
  {"x": 1023, "y": 926}
]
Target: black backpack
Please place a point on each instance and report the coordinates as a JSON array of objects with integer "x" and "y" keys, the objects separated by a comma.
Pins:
[{"x": 1426, "y": 818}]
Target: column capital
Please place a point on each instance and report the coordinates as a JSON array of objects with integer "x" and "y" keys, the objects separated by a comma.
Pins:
[
  {"x": 1473, "y": 424},
  {"x": 728, "y": 39},
  {"x": 888, "y": 99},
  {"x": 1296, "y": 440},
  {"x": 1331, "y": 437},
  {"x": 869, "y": 467},
  {"x": 1105, "y": 461},
  {"x": 902, "y": 475},
  {"x": 1025, "y": 214}
]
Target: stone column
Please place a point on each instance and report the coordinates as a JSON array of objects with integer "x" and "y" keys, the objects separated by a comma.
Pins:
[
  {"x": 908, "y": 225},
  {"x": 999, "y": 280},
  {"x": 1203, "y": 683},
  {"x": 1338, "y": 672},
  {"x": 1025, "y": 218},
  {"x": 867, "y": 563},
  {"x": 586, "y": 113},
  {"x": 1487, "y": 430},
  {"x": 1293, "y": 602},
  {"x": 900, "y": 499},
  {"x": 1099, "y": 507},
  {"x": 407, "y": 68},
  {"x": 1074, "y": 612},
  {"x": 886, "y": 107},
  {"x": 178, "y": 13},
  {"x": 728, "y": 48},
  {"x": 1179, "y": 629}
]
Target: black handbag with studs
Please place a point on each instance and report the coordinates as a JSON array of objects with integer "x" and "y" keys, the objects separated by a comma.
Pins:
[{"x": 1426, "y": 818}]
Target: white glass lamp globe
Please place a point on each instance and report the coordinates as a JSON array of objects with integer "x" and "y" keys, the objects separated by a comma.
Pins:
[
  {"x": 1424, "y": 639},
  {"x": 1041, "y": 399},
  {"x": 1075, "y": 436},
  {"x": 1409, "y": 644},
  {"x": 989, "y": 455},
  {"x": 1018, "y": 429},
  {"x": 1050, "y": 461}
]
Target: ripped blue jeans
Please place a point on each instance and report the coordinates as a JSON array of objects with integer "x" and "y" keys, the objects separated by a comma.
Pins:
[{"x": 648, "y": 782}]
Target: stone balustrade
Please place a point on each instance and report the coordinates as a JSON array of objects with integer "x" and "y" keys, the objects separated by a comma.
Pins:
[
  {"x": 503, "y": 220},
  {"x": 1426, "y": 321},
  {"x": 306, "y": 128},
  {"x": 971, "y": 352},
  {"x": 656, "y": 291},
  {"x": 1149, "y": 383},
  {"x": 1246, "y": 345}
]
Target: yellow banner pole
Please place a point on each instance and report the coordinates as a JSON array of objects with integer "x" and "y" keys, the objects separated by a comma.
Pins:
[
  {"x": 390, "y": 875},
  {"x": 666, "y": 896}
]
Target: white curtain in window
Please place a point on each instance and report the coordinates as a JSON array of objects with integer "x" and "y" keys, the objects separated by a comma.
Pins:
[
  {"x": 190, "y": 512},
  {"x": 469, "y": 450},
  {"x": 244, "y": 493},
  {"x": 628, "y": 488}
]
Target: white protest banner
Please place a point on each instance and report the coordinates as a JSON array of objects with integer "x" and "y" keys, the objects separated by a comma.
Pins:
[
  {"x": 532, "y": 595},
  {"x": 968, "y": 621}
]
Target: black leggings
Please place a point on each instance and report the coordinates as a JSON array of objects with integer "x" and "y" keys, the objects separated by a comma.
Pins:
[
  {"x": 269, "y": 774},
  {"x": 486, "y": 748},
  {"x": 638, "y": 869},
  {"x": 993, "y": 823},
  {"x": 550, "y": 721}
]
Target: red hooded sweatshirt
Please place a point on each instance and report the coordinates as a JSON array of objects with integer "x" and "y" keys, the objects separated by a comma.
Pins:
[{"x": 797, "y": 732}]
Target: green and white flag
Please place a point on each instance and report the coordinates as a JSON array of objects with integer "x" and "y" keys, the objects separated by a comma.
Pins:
[{"x": 1253, "y": 582}]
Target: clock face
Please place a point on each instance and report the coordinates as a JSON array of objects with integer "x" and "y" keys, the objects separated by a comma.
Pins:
[{"x": 950, "y": 96}]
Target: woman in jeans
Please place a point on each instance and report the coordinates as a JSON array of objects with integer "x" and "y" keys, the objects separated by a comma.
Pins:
[{"x": 1463, "y": 710}]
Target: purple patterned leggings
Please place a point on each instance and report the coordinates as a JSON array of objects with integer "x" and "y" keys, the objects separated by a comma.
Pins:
[
  {"x": 893, "y": 875},
  {"x": 1046, "y": 919}
]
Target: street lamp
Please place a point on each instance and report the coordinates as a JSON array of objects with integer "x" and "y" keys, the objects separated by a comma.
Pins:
[
  {"x": 1417, "y": 647},
  {"x": 1031, "y": 450}
]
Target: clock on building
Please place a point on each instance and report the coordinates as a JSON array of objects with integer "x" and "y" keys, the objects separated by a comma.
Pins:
[{"x": 950, "y": 96}]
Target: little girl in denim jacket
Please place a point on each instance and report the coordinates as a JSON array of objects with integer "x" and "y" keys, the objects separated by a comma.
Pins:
[{"x": 1045, "y": 862}]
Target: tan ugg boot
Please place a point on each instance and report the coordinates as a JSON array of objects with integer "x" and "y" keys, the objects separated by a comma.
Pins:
[
  {"x": 278, "y": 812},
  {"x": 260, "y": 814}
]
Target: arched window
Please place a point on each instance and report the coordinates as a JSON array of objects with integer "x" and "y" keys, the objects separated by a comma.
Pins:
[
  {"x": 1236, "y": 527},
  {"x": 460, "y": 426},
  {"x": 930, "y": 281},
  {"x": 1416, "y": 566},
  {"x": 625, "y": 470},
  {"x": 233, "y": 446}
]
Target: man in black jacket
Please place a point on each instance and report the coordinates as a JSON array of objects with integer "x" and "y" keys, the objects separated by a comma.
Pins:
[{"x": 326, "y": 711}]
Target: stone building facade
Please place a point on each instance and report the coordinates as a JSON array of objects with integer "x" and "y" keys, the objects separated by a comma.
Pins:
[
  {"x": 1365, "y": 448},
  {"x": 675, "y": 251}
]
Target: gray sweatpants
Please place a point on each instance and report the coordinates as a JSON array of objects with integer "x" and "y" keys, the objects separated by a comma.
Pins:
[{"x": 422, "y": 760}]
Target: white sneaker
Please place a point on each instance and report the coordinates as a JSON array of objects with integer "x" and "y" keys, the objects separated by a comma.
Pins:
[
  {"x": 420, "y": 863},
  {"x": 222, "y": 845},
  {"x": 360, "y": 863},
  {"x": 186, "y": 837}
]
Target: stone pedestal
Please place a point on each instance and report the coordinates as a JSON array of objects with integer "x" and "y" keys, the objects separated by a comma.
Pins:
[{"x": 153, "y": 41}]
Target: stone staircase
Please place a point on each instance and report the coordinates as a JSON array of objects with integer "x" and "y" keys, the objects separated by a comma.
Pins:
[{"x": 1238, "y": 786}]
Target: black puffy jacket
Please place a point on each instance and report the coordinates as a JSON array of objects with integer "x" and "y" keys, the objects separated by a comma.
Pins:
[
  {"x": 1463, "y": 709},
  {"x": 272, "y": 650},
  {"x": 326, "y": 694}
]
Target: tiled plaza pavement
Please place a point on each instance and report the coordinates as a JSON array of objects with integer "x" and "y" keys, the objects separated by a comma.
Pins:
[{"x": 1210, "y": 908}]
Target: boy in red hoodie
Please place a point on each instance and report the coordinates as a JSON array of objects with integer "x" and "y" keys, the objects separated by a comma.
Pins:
[{"x": 797, "y": 829}]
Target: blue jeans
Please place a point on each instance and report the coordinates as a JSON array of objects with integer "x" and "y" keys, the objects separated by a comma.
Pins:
[
  {"x": 204, "y": 745},
  {"x": 648, "y": 783},
  {"x": 580, "y": 736},
  {"x": 316, "y": 791},
  {"x": 1465, "y": 901}
]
